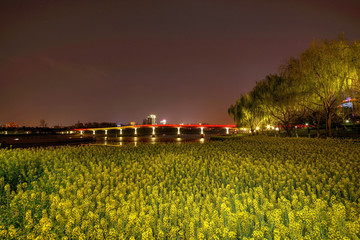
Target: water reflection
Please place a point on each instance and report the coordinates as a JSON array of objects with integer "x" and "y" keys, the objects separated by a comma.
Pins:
[{"x": 135, "y": 141}]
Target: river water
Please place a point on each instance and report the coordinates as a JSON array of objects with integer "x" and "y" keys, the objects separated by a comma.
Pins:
[
  {"x": 126, "y": 141},
  {"x": 25, "y": 141}
]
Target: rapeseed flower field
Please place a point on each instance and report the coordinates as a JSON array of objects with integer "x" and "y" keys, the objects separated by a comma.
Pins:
[{"x": 250, "y": 188}]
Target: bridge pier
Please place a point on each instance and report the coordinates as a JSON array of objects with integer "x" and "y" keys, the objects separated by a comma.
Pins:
[
  {"x": 106, "y": 132},
  {"x": 135, "y": 131},
  {"x": 153, "y": 132},
  {"x": 120, "y": 131},
  {"x": 202, "y": 132},
  {"x": 178, "y": 132},
  {"x": 227, "y": 130}
]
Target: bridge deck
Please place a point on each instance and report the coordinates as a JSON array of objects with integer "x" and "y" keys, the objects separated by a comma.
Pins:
[{"x": 161, "y": 125}]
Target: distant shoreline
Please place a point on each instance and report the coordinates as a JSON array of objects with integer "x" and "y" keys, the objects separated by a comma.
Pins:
[{"x": 23, "y": 141}]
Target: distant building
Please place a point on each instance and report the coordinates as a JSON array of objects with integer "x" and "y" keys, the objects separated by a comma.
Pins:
[
  {"x": 352, "y": 104},
  {"x": 12, "y": 125},
  {"x": 132, "y": 123},
  {"x": 151, "y": 119},
  {"x": 163, "y": 121}
]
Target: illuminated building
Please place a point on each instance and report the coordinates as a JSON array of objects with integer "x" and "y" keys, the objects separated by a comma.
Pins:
[
  {"x": 151, "y": 119},
  {"x": 12, "y": 125}
]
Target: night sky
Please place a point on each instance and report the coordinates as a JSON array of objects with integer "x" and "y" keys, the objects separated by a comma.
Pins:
[{"x": 119, "y": 61}]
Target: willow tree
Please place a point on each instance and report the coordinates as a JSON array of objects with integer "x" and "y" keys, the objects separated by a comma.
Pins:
[
  {"x": 292, "y": 69},
  {"x": 356, "y": 62},
  {"x": 247, "y": 112},
  {"x": 327, "y": 69},
  {"x": 282, "y": 98}
]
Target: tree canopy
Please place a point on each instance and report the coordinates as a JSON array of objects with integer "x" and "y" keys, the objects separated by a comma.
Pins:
[{"x": 313, "y": 84}]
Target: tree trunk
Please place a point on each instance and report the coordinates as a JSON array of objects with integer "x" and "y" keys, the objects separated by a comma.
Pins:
[
  {"x": 288, "y": 131},
  {"x": 326, "y": 122},
  {"x": 318, "y": 130},
  {"x": 329, "y": 125}
]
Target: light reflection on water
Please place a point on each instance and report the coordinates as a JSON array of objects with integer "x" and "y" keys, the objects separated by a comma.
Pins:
[{"x": 134, "y": 141}]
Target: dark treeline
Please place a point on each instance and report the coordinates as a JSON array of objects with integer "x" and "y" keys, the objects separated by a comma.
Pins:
[
  {"x": 94, "y": 125},
  {"x": 32, "y": 130},
  {"x": 307, "y": 89}
]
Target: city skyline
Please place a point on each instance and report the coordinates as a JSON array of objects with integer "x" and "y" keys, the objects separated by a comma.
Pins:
[{"x": 186, "y": 61}]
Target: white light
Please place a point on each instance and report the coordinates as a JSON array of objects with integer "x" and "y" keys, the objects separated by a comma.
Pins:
[
  {"x": 257, "y": 128},
  {"x": 153, "y": 132},
  {"x": 347, "y": 121},
  {"x": 120, "y": 131},
  {"x": 277, "y": 129},
  {"x": 94, "y": 132},
  {"x": 105, "y": 132},
  {"x": 227, "y": 130},
  {"x": 163, "y": 121},
  {"x": 81, "y": 132},
  {"x": 268, "y": 126},
  {"x": 135, "y": 131},
  {"x": 201, "y": 130},
  {"x": 306, "y": 124},
  {"x": 178, "y": 130}
]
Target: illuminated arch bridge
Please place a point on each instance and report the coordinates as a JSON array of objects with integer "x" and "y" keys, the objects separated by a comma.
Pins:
[{"x": 201, "y": 128}]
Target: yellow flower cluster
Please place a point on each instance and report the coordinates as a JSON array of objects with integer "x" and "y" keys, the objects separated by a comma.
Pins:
[{"x": 250, "y": 188}]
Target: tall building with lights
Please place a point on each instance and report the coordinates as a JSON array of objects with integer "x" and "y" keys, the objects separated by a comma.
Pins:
[{"x": 151, "y": 119}]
